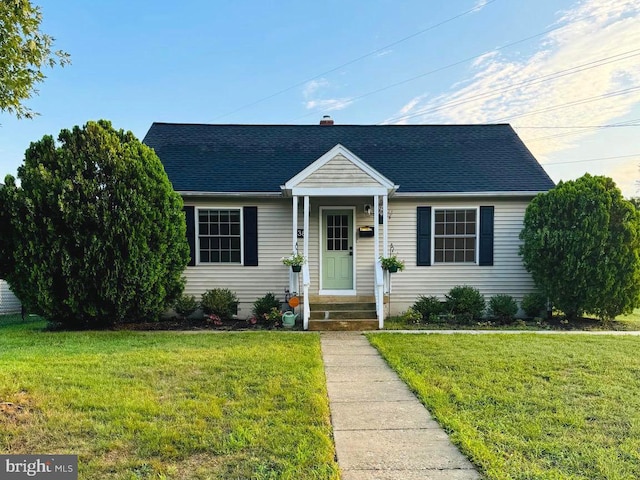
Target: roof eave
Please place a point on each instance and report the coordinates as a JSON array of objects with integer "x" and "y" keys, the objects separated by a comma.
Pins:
[{"x": 522, "y": 194}]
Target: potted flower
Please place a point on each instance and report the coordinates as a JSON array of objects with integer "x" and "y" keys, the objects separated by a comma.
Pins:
[
  {"x": 295, "y": 261},
  {"x": 392, "y": 264}
]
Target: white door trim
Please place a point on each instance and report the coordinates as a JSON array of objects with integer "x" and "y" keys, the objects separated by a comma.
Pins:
[{"x": 351, "y": 291}]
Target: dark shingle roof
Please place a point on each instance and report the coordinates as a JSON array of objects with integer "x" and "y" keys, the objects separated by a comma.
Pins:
[{"x": 419, "y": 158}]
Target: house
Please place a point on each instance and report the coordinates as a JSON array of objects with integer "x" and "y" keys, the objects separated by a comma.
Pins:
[{"x": 449, "y": 200}]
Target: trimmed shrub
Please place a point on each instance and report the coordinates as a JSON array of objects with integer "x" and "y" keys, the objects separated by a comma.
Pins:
[
  {"x": 221, "y": 302},
  {"x": 412, "y": 316},
  {"x": 185, "y": 305},
  {"x": 429, "y": 308},
  {"x": 581, "y": 244},
  {"x": 465, "y": 302},
  {"x": 503, "y": 307},
  {"x": 95, "y": 231},
  {"x": 264, "y": 305},
  {"x": 534, "y": 304}
]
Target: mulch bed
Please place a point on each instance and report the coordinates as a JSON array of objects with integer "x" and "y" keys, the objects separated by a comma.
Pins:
[{"x": 191, "y": 324}]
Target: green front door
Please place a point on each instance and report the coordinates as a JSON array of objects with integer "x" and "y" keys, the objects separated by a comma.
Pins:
[{"x": 337, "y": 250}]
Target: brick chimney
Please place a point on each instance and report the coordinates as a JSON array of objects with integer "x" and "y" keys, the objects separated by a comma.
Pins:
[{"x": 326, "y": 120}]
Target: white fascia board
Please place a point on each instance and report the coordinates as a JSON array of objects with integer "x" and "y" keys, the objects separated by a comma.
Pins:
[
  {"x": 465, "y": 194},
  {"x": 349, "y": 155},
  {"x": 231, "y": 194},
  {"x": 338, "y": 191}
]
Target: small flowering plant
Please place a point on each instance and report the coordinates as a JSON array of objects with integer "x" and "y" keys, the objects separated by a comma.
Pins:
[
  {"x": 294, "y": 260},
  {"x": 273, "y": 318},
  {"x": 213, "y": 318},
  {"x": 392, "y": 263}
]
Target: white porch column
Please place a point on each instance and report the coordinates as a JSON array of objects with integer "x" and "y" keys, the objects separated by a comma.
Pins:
[
  {"x": 376, "y": 228},
  {"x": 294, "y": 222},
  {"x": 385, "y": 225},
  {"x": 306, "y": 227}
]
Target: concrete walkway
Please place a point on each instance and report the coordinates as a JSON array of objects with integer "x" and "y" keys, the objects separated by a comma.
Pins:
[{"x": 381, "y": 430}]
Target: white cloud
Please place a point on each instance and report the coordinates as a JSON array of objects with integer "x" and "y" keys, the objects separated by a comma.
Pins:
[
  {"x": 526, "y": 90},
  {"x": 328, "y": 105},
  {"x": 313, "y": 86}
]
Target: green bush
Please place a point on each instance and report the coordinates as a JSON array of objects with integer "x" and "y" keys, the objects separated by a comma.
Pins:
[
  {"x": 581, "y": 244},
  {"x": 95, "y": 231},
  {"x": 465, "y": 302},
  {"x": 185, "y": 305},
  {"x": 221, "y": 302},
  {"x": 412, "y": 316},
  {"x": 503, "y": 308},
  {"x": 263, "y": 305},
  {"x": 534, "y": 304},
  {"x": 429, "y": 308}
]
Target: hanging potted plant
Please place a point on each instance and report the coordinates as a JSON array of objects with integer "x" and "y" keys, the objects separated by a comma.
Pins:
[
  {"x": 392, "y": 264},
  {"x": 295, "y": 261}
]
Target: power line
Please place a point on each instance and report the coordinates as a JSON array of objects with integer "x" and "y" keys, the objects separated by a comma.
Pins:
[
  {"x": 440, "y": 69},
  {"x": 351, "y": 62},
  {"x": 582, "y": 101},
  {"x": 592, "y": 159},
  {"x": 359, "y": 97},
  {"x": 541, "y": 79},
  {"x": 628, "y": 123}
]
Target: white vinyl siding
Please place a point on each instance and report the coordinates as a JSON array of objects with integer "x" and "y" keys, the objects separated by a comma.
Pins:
[
  {"x": 507, "y": 275},
  {"x": 339, "y": 172},
  {"x": 8, "y": 301}
]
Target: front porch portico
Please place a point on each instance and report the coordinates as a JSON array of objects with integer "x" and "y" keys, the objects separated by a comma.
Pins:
[{"x": 341, "y": 185}]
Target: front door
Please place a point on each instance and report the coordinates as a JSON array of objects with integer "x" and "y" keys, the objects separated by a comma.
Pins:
[{"x": 337, "y": 250}]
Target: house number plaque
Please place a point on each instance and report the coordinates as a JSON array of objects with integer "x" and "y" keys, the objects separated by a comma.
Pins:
[{"x": 301, "y": 233}]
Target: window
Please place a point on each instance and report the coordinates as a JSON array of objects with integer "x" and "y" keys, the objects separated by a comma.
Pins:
[
  {"x": 219, "y": 236},
  {"x": 455, "y": 236}
]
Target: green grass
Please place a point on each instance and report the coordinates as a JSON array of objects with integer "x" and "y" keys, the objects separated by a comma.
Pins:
[
  {"x": 530, "y": 406},
  {"x": 137, "y": 405}
]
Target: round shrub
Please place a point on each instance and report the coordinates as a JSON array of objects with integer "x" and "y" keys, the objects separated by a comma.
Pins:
[
  {"x": 503, "y": 307},
  {"x": 185, "y": 305},
  {"x": 95, "y": 230},
  {"x": 429, "y": 307},
  {"x": 221, "y": 302},
  {"x": 534, "y": 304},
  {"x": 465, "y": 302},
  {"x": 412, "y": 316},
  {"x": 264, "y": 305}
]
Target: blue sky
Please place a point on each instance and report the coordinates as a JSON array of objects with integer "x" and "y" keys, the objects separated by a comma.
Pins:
[{"x": 545, "y": 66}]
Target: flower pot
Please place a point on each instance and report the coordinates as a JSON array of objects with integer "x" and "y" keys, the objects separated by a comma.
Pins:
[
  {"x": 296, "y": 268},
  {"x": 393, "y": 269}
]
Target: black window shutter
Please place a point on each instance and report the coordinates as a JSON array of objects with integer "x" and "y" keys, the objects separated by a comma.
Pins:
[
  {"x": 190, "y": 217},
  {"x": 424, "y": 236},
  {"x": 250, "y": 216},
  {"x": 485, "y": 257}
]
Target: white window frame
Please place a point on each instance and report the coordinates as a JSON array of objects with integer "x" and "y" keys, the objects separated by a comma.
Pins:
[
  {"x": 197, "y": 219},
  {"x": 433, "y": 234}
]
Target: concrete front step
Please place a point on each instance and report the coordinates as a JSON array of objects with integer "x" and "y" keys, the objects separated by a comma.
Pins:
[
  {"x": 324, "y": 306},
  {"x": 343, "y": 325},
  {"x": 332, "y": 299},
  {"x": 332, "y": 314}
]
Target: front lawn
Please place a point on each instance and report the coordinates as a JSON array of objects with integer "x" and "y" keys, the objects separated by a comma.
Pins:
[
  {"x": 530, "y": 406},
  {"x": 138, "y": 405}
]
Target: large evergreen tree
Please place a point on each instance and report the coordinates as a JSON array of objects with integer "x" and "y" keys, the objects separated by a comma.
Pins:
[
  {"x": 24, "y": 52},
  {"x": 582, "y": 247},
  {"x": 97, "y": 233}
]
